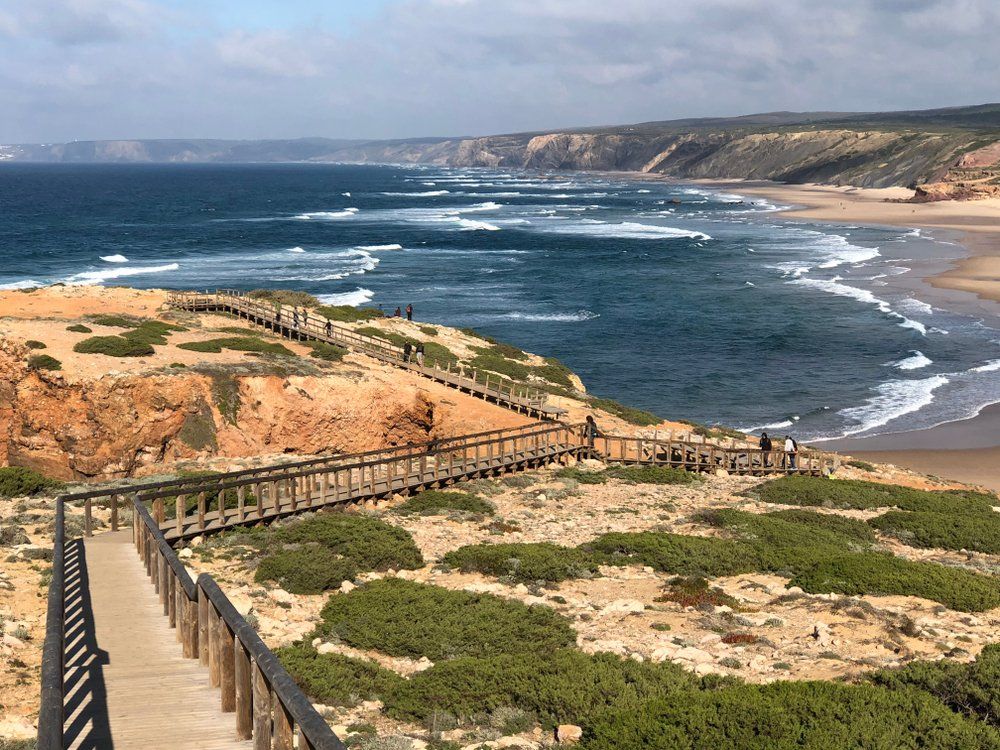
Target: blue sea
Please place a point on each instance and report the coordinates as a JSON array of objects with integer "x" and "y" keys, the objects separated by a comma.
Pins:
[{"x": 688, "y": 301}]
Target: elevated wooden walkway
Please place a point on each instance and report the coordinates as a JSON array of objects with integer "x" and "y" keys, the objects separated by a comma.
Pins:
[{"x": 313, "y": 327}]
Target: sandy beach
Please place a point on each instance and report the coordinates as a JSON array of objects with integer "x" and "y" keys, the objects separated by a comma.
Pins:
[{"x": 967, "y": 450}]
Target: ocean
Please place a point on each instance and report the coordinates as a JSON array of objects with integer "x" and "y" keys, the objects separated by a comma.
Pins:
[{"x": 688, "y": 301}]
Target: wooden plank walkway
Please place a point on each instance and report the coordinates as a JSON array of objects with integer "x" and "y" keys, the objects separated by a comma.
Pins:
[{"x": 127, "y": 683}]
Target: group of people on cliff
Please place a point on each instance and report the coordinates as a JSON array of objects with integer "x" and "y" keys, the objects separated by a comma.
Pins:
[{"x": 791, "y": 450}]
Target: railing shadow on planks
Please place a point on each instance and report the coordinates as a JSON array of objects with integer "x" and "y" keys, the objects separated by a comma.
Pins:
[
  {"x": 270, "y": 708},
  {"x": 501, "y": 390}
]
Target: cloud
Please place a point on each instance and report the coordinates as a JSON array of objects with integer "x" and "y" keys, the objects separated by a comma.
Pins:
[{"x": 441, "y": 67}]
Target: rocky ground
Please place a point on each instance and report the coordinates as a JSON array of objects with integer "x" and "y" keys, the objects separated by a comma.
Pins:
[{"x": 798, "y": 635}]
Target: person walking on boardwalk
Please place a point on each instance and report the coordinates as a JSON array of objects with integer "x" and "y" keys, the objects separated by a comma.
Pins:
[
  {"x": 329, "y": 327},
  {"x": 767, "y": 446},
  {"x": 420, "y": 353},
  {"x": 409, "y": 312},
  {"x": 295, "y": 318},
  {"x": 398, "y": 313},
  {"x": 591, "y": 430},
  {"x": 277, "y": 316},
  {"x": 407, "y": 351},
  {"x": 791, "y": 451}
]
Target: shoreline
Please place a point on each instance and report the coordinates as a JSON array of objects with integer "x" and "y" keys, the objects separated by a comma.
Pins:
[{"x": 967, "y": 450}]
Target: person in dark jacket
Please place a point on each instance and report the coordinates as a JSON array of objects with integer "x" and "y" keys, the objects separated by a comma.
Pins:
[
  {"x": 409, "y": 312},
  {"x": 398, "y": 313},
  {"x": 767, "y": 446},
  {"x": 407, "y": 351},
  {"x": 591, "y": 430},
  {"x": 329, "y": 327},
  {"x": 420, "y": 353}
]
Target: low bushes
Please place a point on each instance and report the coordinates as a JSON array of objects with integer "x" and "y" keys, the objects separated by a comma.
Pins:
[
  {"x": 851, "y": 528},
  {"x": 554, "y": 371},
  {"x": 439, "y": 354},
  {"x": 946, "y": 530},
  {"x": 542, "y": 561},
  {"x": 402, "y": 618},
  {"x": 239, "y": 344},
  {"x": 369, "y": 544},
  {"x": 348, "y": 314},
  {"x": 284, "y": 297},
  {"x": 858, "y": 494},
  {"x": 113, "y": 346},
  {"x": 501, "y": 366},
  {"x": 115, "y": 321},
  {"x": 654, "y": 475},
  {"x": 695, "y": 591},
  {"x": 336, "y": 680},
  {"x": 44, "y": 362},
  {"x": 437, "y": 502},
  {"x": 20, "y": 481},
  {"x": 79, "y": 328},
  {"x": 583, "y": 477},
  {"x": 391, "y": 336},
  {"x": 564, "y": 686},
  {"x": 677, "y": 553},
  {"x": 785, "y": 715},
  {"x": 327, "y": 352},
  {"x": 32, "y": 344},
  {"x": 152, "y": 332},
  {"x": 309, "y": 570},
  {"x": 970, "y": 689},
  {"x": 628, "y": 413}
]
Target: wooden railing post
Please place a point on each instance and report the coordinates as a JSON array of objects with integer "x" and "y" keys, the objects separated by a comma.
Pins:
[
  {"x": 114, "y": 512},
  {"x": 203, "y": 614},
  {"x": 261, "y": 709},
  {"x": 283, "y": 737},
  {"x": 179, "y": 511},
  {"x": 88, "y": 521},
  {"x": 227, "y": 666},
  {"x": 243, "y": 687}
]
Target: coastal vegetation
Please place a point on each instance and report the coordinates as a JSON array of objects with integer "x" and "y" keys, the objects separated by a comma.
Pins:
[
  {"x": 113, "y": 346},
  {"x": 79, "y": 328},
  {"x": 541, "y": 561},
  {"x": 44, "y": 362},
  {"x": 977, "y": 532},
  {"x": 239, "y": 344},
  {"x": 438, "y": 502},
  {"x": 32, "y": 344},
  {"x": 20, "y": 481}
]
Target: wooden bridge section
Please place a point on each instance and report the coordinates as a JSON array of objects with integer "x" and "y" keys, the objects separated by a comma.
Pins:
[{"x": 310, "y": 326}]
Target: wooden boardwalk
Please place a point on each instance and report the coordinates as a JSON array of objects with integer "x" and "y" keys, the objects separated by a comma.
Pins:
[{"x": 128, "y": 685}]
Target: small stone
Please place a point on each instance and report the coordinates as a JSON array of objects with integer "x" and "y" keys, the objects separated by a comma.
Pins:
[
  {"x": 185, "y": 553},
  {"x": 515, "y": 741},
  {"x": 568, "y": 734},
  {"x": 347, "y": 587},
  {"x": 281, "y": 596}
]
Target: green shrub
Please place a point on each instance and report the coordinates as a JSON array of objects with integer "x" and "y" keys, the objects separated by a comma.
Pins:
[
  {"x": 428, "y": 330},
  {"x": 946, "y": 530},
  {"x": 500, "y": 366},
  {"x": 366, "y": 542},
  {"x": 653, "y": 475},
  {"x": 20, "y": 481},
  {"x": 676, "y": 553},
  {"x": 863, "y": 465},
  {"x": 115, "y": 321},
  {"x": 881, "y": 574},
  {"x": 851, "y": 528},
  {"x": 113, "y": 346},
  {"x": 79, "y": 328},
  {"x": 786, "y": 715},
  {"x": 239, "y": 344},
  {"x": 392, "y": 337},
  {"x": 402, "y": 618},
  {"x": 44, "y": 362},
  {"x": 583, "y": 477},
  {"x": 328, "y": 352},
  {"x": 554, "y": 373},
  {"x": 629, "y": 414},
  {"x": 563, "y": 686},
  {"x": 970, "y": 689},
  {"x": 152, "y": 332},
  {"x": 284, "y": 297},
  {"x": 436, "y": 502},
  {"x": 310, "y": 570},
  {"x": 694, "y": 591},
  {"x": 32, "y": 344},
  {"x": 347, "y": 314},
  {"x": 505, "y": 351},
  {"x": 439, "y": 354},
  {"x": 336, "y": 680},
  {"x": 858, "y": 494},
  {"x": 542, "y": 561}
]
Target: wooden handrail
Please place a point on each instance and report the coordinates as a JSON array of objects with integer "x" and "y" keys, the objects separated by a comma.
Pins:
[{"x": 50, "y": 712}]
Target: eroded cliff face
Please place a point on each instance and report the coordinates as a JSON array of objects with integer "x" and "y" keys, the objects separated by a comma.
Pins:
[{"x": 126, "y": 424}]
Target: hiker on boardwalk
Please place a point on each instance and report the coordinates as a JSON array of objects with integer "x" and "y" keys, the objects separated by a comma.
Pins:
[
  {"x": 277, "y": 317},
  {"x": 295, "y": 318},
  {"x": 767, "y": 446},
  {"x": 420, "y": 353},
  {"x": 407, "y": 351},
  {"x": 329, "y": 327},
  {"x": 398, "y": 313},
  {"x": 791, "y": 450},
  {"x": 409, "y": 312}
]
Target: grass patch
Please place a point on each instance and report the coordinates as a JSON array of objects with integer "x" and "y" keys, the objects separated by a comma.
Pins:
[
  {"x": 428, "y": 330},
  {"x": 326, "y": 352},
  {"x": 676, "y": 553},
  {"x": 239, "y": 344},
  {"x": 583, "y": 477},
  {"x": 440, "y": 354},
  {"x": 945, "y": 530},
  {"x": 695, "y": 591},
  {"x": 79, "y": 328},
  {"x": 152, "y": 332},
  {"x": 554, "y": 371},
  {"x": 377, "y": 333},
  {"x": 542, "y": 561},
  {"x": 628, "y": 413},
  {"x": 863, "y": 465},
  {"x": 862, "y": 495},
  {"x": 970, "y": 689},
  {"x": 284, "y": 297},
  {"x": 336, "y": 680},
  {"x": 367, "y": 543},
  {"x": 437, "y": 502},
  {"x": 32, "y": 344},
  {"x": 565, "y": 686},
  {"x": 115, "y": 321},
  {"x": 653, "y": 475},
  {"x": 785, "y": 715},
  {"x": 113, "y": 346},
  {"x": 310, "y": 570},
  {"x": 852, "y": 528},
  {"x": 505, "y": 351},
  {"x": 44, "y": 362},
  {"x": 501, "y": 366},
  {"x": 20, "y": 481},
  {"x": 348, "y": 314},
  {"x": 402, "y": 618}
]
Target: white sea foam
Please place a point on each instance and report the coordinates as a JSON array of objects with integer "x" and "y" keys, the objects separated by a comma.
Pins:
[
  {"x": 98, "y": 277},
  {"x": 891, "y": 401},
  {"x": 358, "y": 297},
  {"x": 988, "y": 367},
  {"x": 114, "y": 258},
  {"x": 471, "y": 225},
  {"x": 576, "y": 317},
  {"x": 346, "y": 195},
  {"x": 296, "y": 249},
  {"x": 425, "y": 194},
  {"x": 914, "y": 361},
  {"x": 323, "y": 215},
  {"x": 24, "y": 284},
  {"x": 763, "y": 427},
  {"x": 833, "y": 286},
  {"x": 375, "y": 248},
  {"x": 628, "y": 230}
]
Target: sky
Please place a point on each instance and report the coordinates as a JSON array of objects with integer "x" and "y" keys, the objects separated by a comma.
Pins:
[{"x": 122, "y": 69}]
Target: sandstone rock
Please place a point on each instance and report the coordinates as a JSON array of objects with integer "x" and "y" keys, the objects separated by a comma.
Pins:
[
  {"x": 12, "y": 535},
  {"x": 568, "y": 734},
  {"x": 347, "y": 587},
  {"x": 623, "y": 606},
  {"x": 281, "y": 596},
  {"x": 418, "y": 744},
  {"x": 694, "y": 655},
  {"x": 185, "y": 553},
  {"x": 516, "y": 741},
  {"x": 242, "y": 602}
]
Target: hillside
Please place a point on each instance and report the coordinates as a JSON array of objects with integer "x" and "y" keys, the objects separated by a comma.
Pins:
[{"x": 955, "y": 150}]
